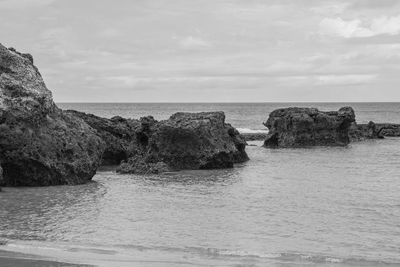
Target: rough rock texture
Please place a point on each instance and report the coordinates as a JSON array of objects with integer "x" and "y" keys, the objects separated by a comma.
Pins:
[
  {"x": 188, "y": 141},
  {"x": 360, "y": 132},
  {"x": 137, "y": 164},
  {"x": 184, "y": 141},
  {"x": 388, "y": 129},
  {"x": 299, "y": 127},
  {"x": 254, "y": 136},
  {"x": 1, "y": 176},
  {"x": 39, "y": 144},
  {"x": 119, "y": 135}
]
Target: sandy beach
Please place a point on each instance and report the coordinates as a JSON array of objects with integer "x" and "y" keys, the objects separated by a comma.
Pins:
[{"x": 13, "y": 259}]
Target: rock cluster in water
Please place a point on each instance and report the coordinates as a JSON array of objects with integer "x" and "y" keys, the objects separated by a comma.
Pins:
[
  {"x": 39, "y": 143},
  {"x": 299, "y": 127},
  {"x": 43, "y": 145},
  {"x": 184, "y": 141}
]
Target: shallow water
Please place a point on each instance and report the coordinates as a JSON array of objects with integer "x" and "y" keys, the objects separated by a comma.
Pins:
[
  {"x": 284, "y": 207},
  {"x": 304, "y": 206}
]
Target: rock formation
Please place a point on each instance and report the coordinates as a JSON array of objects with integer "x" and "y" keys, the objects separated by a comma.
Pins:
[
  {"x": 40, "y": 144},
  {"x": 254, "y": 136},
  {"x": 388, "y": 129},
  {"x": 299, "y": 127},
  {"x": 184, "y": 141},
  {"x": 1, "y": 176},
  {"x": 119, "y": 135},
  {"x": 360, "y": 132}
]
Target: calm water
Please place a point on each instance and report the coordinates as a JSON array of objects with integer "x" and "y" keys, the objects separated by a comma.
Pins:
[{"x": 284, "y": 207}]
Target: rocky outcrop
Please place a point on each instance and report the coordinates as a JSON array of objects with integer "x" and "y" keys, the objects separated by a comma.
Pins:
[
  {"x": 388, "y": 129},
  {"x": 184, "y": 141},
  {"x": 39, "y": 143},
  {"x": 361, "y": 132},
  {"x": 299, "y": 127},
  {"x": 119, "y": 135},
  {"x": 189, "y": 141},
  {"x": 254, "y": 136},
  {"x": 1, "y": 176}
]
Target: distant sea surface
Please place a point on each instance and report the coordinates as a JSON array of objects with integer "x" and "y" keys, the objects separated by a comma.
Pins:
[{"x": 285, "y": 207}]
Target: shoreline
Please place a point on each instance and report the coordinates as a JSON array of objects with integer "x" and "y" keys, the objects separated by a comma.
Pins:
[{"x": 17, "y": 259}]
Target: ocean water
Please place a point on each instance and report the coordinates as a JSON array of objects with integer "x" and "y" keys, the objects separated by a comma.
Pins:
[{"x": 285, "y": 207}]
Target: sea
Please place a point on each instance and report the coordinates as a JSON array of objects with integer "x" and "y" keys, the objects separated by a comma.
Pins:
[{"x": 321, "y": 206}]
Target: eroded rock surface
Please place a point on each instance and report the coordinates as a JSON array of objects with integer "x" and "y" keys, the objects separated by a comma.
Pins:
[
  {"x": 39, "y": 143},
  {"x": 301, "y": 127},
  {"x": 119, "y": 135},
  {"x": 388, "y": 129},
  {"x": 361, "y": 132},
  {"x": 184, "y": 141}
]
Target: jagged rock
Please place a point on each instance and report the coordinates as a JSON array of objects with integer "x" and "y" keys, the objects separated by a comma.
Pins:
[
  {"x": 388, "y": 129},
  {"x": 39, "y": 143},
  {"x": 299, "y": 127},
  {"x": 191, "y": 141},
  {"x": 254, "y": 136},
  {"x": 1, "y": 176},
  {"x": 138, "y": 165},
  {"x": 360, "y": 132},
  {"x": 185, "y": 141},
  {"x": 119, "y": 135}
]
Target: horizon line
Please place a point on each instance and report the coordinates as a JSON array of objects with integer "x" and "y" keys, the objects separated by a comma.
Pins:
[{"x": 262, "y": 102}]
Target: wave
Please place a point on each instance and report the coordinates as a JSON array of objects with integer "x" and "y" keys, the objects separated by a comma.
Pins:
[
  {"x": 166, "y": 254},
  {"x": 252, "y": 131}
]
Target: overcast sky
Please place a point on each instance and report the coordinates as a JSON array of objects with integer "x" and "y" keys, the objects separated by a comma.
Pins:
[{"x": 210, "y": 50}]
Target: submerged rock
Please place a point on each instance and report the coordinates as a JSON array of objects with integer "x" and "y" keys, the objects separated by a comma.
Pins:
[
  {"x": 300, "y": 127},
  {"x": 40, "y": 144}
]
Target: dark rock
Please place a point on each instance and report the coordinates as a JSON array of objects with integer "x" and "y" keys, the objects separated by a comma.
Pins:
[
  {"x": 254, "y": 136},
  {"x": 119, "y": 135},
  {"x": 191, "y": 141},
  {"x": 1, "y": 176},
  {"x": 360, "y": 132},
  {"x": 184, "y": 141},
  {"x": 138, "y": 165},
  {"x": 300, "y": 127},
  {"x": 40, "y": 144},
  {"x": 388, "y": 129}
]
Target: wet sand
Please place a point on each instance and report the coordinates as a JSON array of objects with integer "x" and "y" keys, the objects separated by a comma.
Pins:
[{"x": 14, "y": 259}]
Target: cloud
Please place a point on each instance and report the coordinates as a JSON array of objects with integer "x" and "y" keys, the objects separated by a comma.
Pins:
[
  {"x": 16, "y": 4},
  {"x": 191, "y": 42},
  {"x": 349, "y": 79},
  {"x": 355, "y": 29}
]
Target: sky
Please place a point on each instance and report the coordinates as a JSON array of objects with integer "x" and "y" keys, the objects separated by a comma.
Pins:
[{"x": 210, "y": 50}]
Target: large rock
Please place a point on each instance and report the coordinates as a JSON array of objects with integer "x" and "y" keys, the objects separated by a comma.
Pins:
[
  {"x": 119, "y": 135},
  {"x": 186, "y": 141},
  {"x": 300, "y": 127},
  {"x": 40, "y": 144}
]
